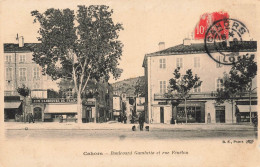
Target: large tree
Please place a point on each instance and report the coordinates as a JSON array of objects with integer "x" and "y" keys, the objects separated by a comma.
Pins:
[
  {"x": 181, "y": 85},
  {"x": 239, "y": 80},
  {"x": 140, "y": 87},
  {"x": 80, "y": 46}
]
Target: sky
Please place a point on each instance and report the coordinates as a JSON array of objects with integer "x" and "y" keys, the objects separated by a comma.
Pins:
[{"x": 145, "y": 22}]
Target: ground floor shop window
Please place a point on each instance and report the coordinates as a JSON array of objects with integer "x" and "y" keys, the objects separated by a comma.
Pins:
[
  {"x": 60, "y": 117},
  {"x": 10, "y": 113},
  {"x": 245, "y": 116},
  {"x": 193, "y": 114},
  {"x": 37, "y": 113}
]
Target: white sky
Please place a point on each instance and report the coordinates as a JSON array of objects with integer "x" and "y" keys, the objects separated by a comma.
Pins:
[{"x": 145, "y": 22}]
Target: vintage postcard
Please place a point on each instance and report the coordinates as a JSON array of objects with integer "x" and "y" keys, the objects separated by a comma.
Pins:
[{"x": 129, "y": 83}]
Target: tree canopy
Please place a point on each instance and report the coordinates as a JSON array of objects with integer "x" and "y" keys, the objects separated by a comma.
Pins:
[
  {"x": 140, "y": 87},
  {"x": 82, "y": 45},
  {"x": 238, "y": 81},
  {"x": 23, "y": 91},
  {"x": 182, "y": 84}
]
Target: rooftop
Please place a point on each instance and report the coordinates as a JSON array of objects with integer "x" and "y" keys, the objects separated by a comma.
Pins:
[
  {"x": 13, "y": 47},
  {"x": 197, "y": 48},
  {"x": 243, "y": 46}
]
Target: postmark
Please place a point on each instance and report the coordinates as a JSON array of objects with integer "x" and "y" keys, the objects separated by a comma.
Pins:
[{"x": 227, "y": 40}]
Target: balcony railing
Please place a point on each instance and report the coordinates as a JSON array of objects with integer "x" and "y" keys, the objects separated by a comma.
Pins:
[{"x": 204, "y": 95}]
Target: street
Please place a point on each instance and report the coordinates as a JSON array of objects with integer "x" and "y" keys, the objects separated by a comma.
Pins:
[{"x": 122, "y": 134}]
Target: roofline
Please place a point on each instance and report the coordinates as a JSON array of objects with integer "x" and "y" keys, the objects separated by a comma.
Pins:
[
  {"x": 27, "y": 51},
  {"x": 157, "y": 53},
  {"x": 193, "y": 52}
]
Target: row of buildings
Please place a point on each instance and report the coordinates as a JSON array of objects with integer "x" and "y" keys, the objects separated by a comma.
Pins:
[
  {"x": 127, "y": 100},
  {"x": 48, "y": 100}
]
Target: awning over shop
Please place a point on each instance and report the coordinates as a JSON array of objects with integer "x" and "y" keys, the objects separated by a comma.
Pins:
[
  {"x": 12, "y": 105},
  {"x": 245, "y": 108},
  {"x": 61, "y": 108}
]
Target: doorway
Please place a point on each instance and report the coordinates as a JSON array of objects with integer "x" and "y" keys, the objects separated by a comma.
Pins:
[
  {"x": 161, "y": 114},
  {"x": 220, "y": 116}
]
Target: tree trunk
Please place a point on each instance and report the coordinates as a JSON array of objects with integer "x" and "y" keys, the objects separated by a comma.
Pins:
[
  {"x": 185, "y": 109},
  {"x": 250, "y": 106},
  {"x": 24, "y": 113},
  {"x": 232, "y": 109},
  {"x": 79, "y": 108}
]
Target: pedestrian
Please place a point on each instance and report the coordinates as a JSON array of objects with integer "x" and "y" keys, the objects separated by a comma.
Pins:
[
  {"x": 61, "y": 118},
  {"x": 141, "y": 122},
  {"x": 31, "y": 119},
  {"x": 125, "y": 118},
  {"x": 119, "y": 118}
]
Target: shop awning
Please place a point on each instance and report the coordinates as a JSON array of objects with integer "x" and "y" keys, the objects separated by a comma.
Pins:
[
  {"x": 12, "y": 105},
  {"x": 61, "y": 108},
  {"x": 245, "y": 108}
]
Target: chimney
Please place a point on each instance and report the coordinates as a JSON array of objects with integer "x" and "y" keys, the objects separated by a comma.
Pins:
[
  {"x": 21, "y": 41},
  {"x": 161, "y": 46},
  {"x": 186, "y": 42}
]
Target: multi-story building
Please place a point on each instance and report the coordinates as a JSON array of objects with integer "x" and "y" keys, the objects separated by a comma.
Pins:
[
  {"x": 21, "y": 69},
  {"x": 44, "y": 101},
  {"x": 116, "y": 107},
  {"x": 159, "y": 67}
]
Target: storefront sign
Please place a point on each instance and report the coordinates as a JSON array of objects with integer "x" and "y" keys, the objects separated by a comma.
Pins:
[
  {"x": 220, "y": 107},
  {"x": 89, "y": 103},
  {"x": 54, "y": 100},
  {"x": 162, "y": 103}
]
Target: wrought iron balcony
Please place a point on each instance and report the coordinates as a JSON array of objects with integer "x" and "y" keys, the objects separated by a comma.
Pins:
[{"x": 203, "y": 95}]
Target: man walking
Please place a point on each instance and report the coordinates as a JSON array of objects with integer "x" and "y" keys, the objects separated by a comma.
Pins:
[
  {"x": 31, "y": 118},
  {"x": 141, "y": 122}
]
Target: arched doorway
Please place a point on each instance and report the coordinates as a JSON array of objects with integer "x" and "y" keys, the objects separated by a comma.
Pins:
[{"x": 37, "y": 114}]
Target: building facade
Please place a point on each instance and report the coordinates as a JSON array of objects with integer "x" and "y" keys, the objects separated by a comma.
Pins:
[
  {"x": 201, "y": 106},
  {"x": 20, "y": 69}
]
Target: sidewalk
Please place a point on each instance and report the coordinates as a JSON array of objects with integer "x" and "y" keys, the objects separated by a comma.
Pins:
[{"x": 120, "y": 126}]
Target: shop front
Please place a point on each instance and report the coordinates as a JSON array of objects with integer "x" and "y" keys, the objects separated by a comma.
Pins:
[
  {"x": 60, "y": 113},
  {"x": 13, "y": 109},
  {"x": 195, "y": 112},
  {"x": 243, "y": 113},
  {"x": 55, "y": 110},
  {"x": 89, "y": 110}
]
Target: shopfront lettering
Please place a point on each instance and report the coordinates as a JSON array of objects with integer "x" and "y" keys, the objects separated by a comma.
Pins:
[{"x": 54, "y": 100}]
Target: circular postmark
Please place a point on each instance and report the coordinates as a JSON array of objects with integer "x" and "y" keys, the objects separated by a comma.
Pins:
[{"x": 227, "y": 40}]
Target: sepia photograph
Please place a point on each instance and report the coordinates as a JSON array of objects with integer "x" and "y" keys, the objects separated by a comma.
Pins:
[{"x": 129, "y": 83}]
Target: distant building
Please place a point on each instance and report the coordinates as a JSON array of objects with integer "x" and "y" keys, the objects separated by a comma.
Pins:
[
  {"x": 126, "y": 91},
  {"x": 99, "y": 91},
  {"x": 140, "y": 103},
  {"x": 159, "y": 67},
  {"x": 116, "y": 107}
]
